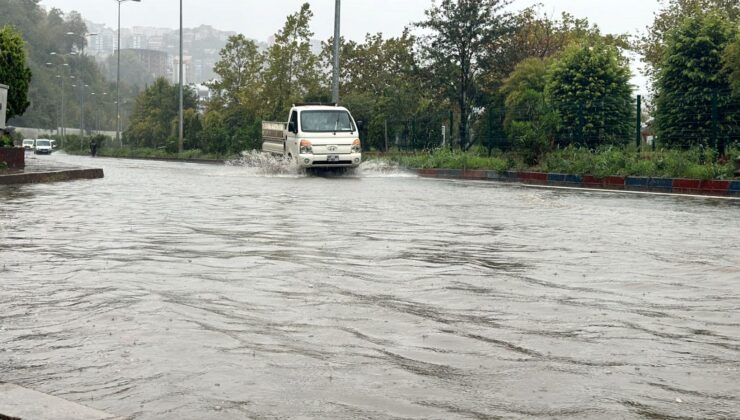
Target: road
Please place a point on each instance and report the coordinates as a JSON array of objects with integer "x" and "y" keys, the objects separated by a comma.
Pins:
[{"x": 173, "y": 290}]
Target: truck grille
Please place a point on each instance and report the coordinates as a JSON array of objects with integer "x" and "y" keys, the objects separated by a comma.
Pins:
[{"x": 339, "y": 162}]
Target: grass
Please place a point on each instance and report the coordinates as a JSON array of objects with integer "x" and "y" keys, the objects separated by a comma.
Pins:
[
  {"x": 444, "y": 158},
  {"x": 607, "y": 161}
]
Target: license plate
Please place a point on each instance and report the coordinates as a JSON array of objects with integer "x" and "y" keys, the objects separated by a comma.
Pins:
[{"x": 332, "y": 158}]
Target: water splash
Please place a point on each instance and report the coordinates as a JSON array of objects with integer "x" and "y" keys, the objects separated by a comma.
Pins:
[
  {"x": 382, "y": 168},
  {"x": 267, "y": 163}
]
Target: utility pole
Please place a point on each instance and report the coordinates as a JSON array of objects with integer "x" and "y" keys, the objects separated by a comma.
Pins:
[
  {"x": 82, "y": 83},
  {"x": 385, "y": 131},
  {"x": 61, "y": 111},
  {"x": 638, "y": 131},
  {"x": 82, "y": 107},
  {"x": 335, "y": 79},
  {"x": 180, "y": 123},
  {"x": 119, "y": 140},
  {"x": 62, "y": 75}
]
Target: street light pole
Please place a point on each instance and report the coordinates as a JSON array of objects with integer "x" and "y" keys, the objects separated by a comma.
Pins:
[
  {"x": 118, "y": 78},
  {"x": 60, "y": 109},
  {"x": 62, "y": 76},
  {"x": 180, "y": 122},
  {"x": 82, "y": 109},
  {"x": 61, "y": 122},
  {"x": 118, "y": 81},
  {"x": 335, "y": 78},
  {"x": 82, "y": 83}
]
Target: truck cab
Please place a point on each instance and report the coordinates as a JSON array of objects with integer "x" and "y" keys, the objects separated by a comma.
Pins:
[{"x": 316, "y": 136}]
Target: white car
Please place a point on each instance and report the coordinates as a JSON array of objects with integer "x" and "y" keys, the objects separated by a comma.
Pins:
[
  {"x": 43, "y": 146},
  {"x": 28, "y": 144}
]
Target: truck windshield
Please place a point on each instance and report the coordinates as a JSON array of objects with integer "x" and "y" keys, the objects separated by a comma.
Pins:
[
  {"x": 326, "y": 121},
  {"x": 42, "y": 143}
]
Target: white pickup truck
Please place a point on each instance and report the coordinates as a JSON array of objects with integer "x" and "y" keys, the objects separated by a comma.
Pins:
[{"x": 316, "y": 136}]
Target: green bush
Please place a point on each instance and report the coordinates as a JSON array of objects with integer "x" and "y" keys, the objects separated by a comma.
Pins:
[
  {"x": 605, "y": 161},
  {"x": 694, "y": 85},
  {"x": 530, "y": 121},
  {"x": 444, "y": 158},
  {"x": 589, "y": 87}
]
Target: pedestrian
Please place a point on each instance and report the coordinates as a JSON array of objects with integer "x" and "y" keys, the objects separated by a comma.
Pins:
[{"x": 93, "y": 147}]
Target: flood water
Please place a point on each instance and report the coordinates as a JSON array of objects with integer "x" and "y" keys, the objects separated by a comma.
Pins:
[{"x": 185, "y": 291}]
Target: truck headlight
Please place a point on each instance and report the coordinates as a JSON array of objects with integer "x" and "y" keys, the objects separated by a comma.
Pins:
[
  {"x": 356, "y": 146},
  {"x": 306, "y": 147}
]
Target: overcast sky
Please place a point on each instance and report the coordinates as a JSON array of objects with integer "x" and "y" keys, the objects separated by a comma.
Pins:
[{"x": 256, "y": 20}]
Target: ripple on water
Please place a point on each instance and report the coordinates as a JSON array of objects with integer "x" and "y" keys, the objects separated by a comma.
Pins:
[{"x": 170, "y": 290}]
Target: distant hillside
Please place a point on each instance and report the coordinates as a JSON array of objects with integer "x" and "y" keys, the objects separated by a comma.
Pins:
[{"x": 201, "y": 44}]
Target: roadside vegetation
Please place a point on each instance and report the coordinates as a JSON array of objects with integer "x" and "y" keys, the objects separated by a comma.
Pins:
[
  {"x": 605, "y": 161},
  {"x": 106, "y": 148}
]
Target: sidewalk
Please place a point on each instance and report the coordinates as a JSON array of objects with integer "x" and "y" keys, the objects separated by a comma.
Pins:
[
  {"x": 712, "y": 188},
  {"x": 41, "y": 170},
  {"x": 22, "y": 403}
]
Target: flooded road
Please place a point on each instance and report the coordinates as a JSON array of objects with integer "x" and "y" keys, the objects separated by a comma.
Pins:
[{"x": 184, "y": 291}]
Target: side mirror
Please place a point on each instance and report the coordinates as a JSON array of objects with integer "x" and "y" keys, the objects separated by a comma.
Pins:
[
  {"x": 360, "y": 125},
  {"x": 292, "y": 127}
]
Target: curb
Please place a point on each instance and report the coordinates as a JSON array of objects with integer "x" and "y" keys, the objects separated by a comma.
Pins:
[
  {"x": 52, "y": 176},
  {"x": 717, "y": 188}
]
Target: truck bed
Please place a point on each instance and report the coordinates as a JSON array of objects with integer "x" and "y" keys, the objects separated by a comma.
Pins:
[{"x": 273, "y": 136}]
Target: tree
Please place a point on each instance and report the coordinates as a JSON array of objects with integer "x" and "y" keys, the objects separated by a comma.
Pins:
[
  {"x": 75, "y": 25},
  {"x": 653, "y": 43},
  {"x": 694, "y": 86},
  {"x": 239, "y": 71},
  {"x": 589, "y": 88},
  {"x": 45, "y": 32},
  {"x": 380, "y": 83},
  {"x": 14, "y": 70},
  {"x": 230, "y": 130},
  {"x": 151, "y": 122},
  {"x": 231, "y": 123},
  {"x": 731, "y": 60},
  {"x": 192, "y": 127},
  {"x": 535, "y": 34},
  {"x": 530, "y": 122},
  {"x": 461, "y": 30},
  {"x": 291, "y": 71}
]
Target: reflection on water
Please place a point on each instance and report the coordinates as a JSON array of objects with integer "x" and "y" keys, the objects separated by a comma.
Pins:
[
  {"x": 173, "y": 290},
  {"x": 14, "y": 192}
]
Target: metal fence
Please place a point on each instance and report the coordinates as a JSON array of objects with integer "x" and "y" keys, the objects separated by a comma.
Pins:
[{"x": 706, "y": 121}]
